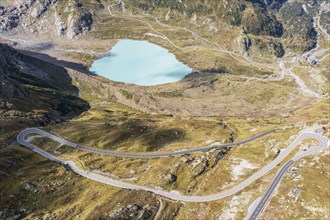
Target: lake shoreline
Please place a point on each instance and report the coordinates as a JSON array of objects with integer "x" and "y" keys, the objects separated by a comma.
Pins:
[{"x": 141, "y": 63}]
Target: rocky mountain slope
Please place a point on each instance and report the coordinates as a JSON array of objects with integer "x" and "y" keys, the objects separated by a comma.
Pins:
[
  {"x": 235, "y": 92},
  {"x": 274, "y": 25},
  {"x": 32, "y": 87},
  {"x": 41, "y": 16},
  {"x": 9, "y": 87},
  {"x": 287, "y": 23}
]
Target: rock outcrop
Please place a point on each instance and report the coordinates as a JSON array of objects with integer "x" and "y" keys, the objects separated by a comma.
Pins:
[
  {"x": 290, "y": 22},
  {"x": 79, "y": 24},
  {"x": 47, "y": 16},
  {"x": 132, "y": 212},
  {"x": 171, "y": 178},
  {"x": 300, "y": 30}
]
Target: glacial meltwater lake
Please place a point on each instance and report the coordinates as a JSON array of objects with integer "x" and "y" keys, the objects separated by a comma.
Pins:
[{"x": 141, "y": 63}]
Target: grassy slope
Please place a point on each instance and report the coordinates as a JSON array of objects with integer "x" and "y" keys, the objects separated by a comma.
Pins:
[
  {"x": 120, "y": 128},
  {"x": 217, "y": 175}
]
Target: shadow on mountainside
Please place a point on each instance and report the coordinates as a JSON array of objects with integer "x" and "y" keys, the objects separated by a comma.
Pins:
[
  {"x": 36, "y": 89},
  {"x": 49, "y": 59}
]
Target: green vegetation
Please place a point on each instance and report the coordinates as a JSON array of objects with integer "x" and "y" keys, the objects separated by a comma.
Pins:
[
  {"x": 300, "y": 32},
  {"x": 308, "y": 184},
  {"x": 171, "y": 94},
  {"x": 119, "y": 127},
  {"x": 258, "y": 22},
  {"x": 127, "y": 94},
  {"x": 229, "y": 100}
]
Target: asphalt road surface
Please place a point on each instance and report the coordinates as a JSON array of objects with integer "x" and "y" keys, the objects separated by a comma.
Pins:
[
  {"x": 133, "y": 155},
  {"x": 174, "y": 195},
  {"x": 269, "y": 192},
  {"x": 312, "y": 150}
]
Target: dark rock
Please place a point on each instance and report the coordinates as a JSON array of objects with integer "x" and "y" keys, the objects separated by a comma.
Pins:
[
  {"x": 262, "y": 23},
  {"x": 13, "y": 197},
  {"x": 300, "y": 30},
  {"x": 79, "y": 24},
  {"x": 134, "y": 208},
  {"x": 8, "y": 163},
  {"x": 3, "y": 174},
  {"x": 171, "y": 178},
  {"x": 29, "y": 187},
  {"x": 47, "y": 2},
  {"x": 221, "y": 154},
  {"x": 10, "y": 21},
  {"x": 231, "y": 138},
  {"x": 187, "y": 160},
  {"x": 11, "y": 214},
  {"x": 268, "y": 3},
  {"x": 131, "y": 212},
  {"x": 114, "y": 214},
  {"x": 232, "y": 12},
  {"x": 144, "y": 215},
  {"x": 202, "y": 169},
  {"x": 2, "y": 10},
  {"x": 246, "y": 43},
  {"x": 278, "y": 49},
  {"x": 222, "y": 122}
]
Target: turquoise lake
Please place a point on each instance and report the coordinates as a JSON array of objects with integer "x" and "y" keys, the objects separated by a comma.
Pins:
[{"x": 141, "y": 63}]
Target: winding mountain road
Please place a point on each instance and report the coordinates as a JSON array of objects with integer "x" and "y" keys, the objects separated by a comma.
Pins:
[
  {"x": 312, "y": 150},
  {"x": 21, "y": 138},
  {"x": 262, "y": 204}
]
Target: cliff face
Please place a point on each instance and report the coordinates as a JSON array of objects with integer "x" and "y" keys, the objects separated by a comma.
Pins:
[{"x": 67, "y": 18}]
